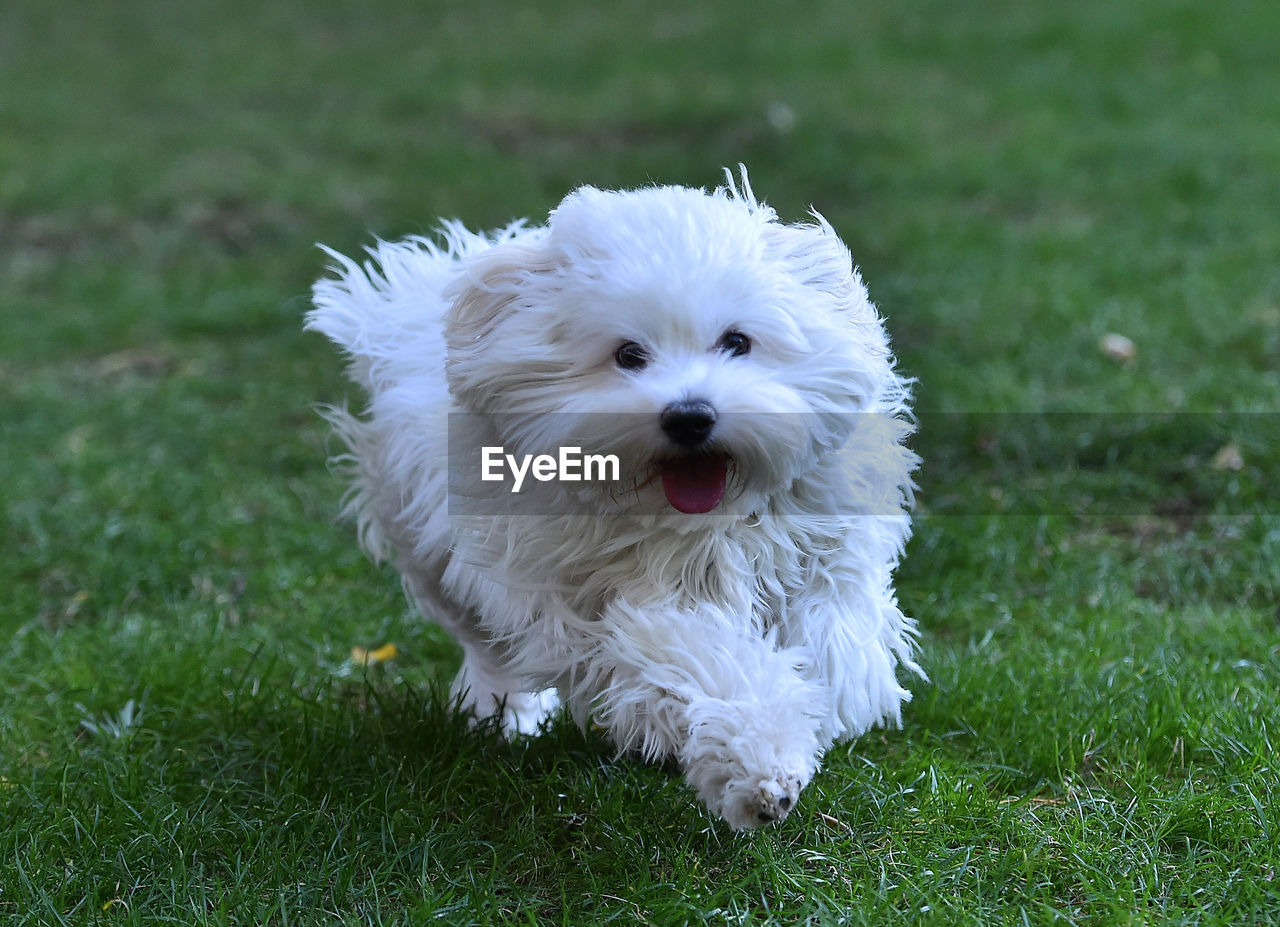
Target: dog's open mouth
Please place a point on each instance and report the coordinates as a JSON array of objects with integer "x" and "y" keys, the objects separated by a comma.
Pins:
[{"x": 695, "y": 484}]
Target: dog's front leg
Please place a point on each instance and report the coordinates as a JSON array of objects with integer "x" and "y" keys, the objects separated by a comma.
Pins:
[
  {"x": 846, "y": 618},
  {"x": 714, "y": 693}
]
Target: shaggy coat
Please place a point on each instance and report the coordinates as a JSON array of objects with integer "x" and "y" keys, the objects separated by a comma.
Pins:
[{"x": 740, "y": 642}]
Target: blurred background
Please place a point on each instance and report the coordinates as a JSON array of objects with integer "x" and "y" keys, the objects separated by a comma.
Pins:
[{"x": 1016, "y": 180}]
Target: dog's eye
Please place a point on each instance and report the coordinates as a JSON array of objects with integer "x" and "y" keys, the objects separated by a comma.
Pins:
[
  {"x": 631, "y": 356},
  {"x": 736, "y": 343}
]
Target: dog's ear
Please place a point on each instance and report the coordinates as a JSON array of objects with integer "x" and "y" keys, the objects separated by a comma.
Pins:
[
  {"x": 845, "y": 322},
  {"x": 493, "y": 286},
  {"x": 814, "y": 255}
]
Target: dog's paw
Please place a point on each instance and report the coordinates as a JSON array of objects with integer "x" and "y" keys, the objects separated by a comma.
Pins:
[
  {"x": 516, "y": 714},
  {"x": 748, "y": 765},
  {"x": 749, "y": 794},
  {"x": 751, "y": 804},
  {"x": 524, "y": 713}
]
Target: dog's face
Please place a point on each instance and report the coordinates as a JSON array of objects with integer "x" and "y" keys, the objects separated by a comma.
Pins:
[{"x": 716, "y": 351}]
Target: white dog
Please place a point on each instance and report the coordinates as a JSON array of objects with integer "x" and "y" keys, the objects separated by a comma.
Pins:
[{"x": 726, "y": 600}]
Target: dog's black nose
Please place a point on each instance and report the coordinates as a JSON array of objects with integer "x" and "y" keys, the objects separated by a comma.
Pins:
[{"x": 688, "y": 423}]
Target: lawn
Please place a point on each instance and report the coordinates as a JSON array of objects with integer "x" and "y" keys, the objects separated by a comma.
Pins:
[{"x": 186, "y": 733}]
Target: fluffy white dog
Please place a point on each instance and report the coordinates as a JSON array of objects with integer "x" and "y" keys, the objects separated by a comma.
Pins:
[{"x": 726, "y": 600}]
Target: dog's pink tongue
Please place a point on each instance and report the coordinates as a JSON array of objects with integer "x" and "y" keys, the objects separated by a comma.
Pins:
[{"x": 694, "y": 484}]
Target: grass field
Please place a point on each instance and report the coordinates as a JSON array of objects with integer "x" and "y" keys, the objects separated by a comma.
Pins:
[{"x": 185, "y": 736}]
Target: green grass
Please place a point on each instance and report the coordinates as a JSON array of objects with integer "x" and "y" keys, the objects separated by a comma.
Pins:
[{"x": 184, "y": 737}]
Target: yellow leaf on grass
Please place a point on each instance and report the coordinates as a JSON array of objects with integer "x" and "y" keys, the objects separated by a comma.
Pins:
[{"x": 377, "y": 655}]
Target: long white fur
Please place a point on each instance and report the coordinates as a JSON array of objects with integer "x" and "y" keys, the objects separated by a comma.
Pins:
[{"x": 740, "y": 643}]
